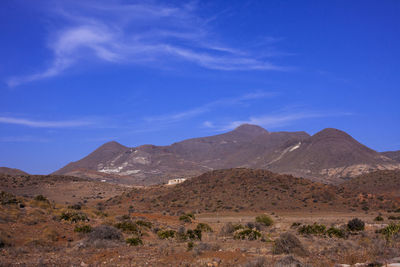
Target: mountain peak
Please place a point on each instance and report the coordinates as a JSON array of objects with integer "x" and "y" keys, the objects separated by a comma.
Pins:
[
  {"x": 332, "y": 133},
  {"x": 112, "y": 145},
  {"x": 250, "y": 129}
]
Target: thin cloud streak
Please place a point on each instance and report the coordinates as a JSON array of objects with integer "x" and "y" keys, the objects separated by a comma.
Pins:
[
  {"x": 45, "y": 124},
  {"x": 273, "y": 120},
  {"x": 171, "y": 118},
  {"x": 118, "y": 34}
]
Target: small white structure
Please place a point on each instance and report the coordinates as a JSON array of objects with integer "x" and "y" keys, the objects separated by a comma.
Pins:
[{"x": 176, "y": 181}]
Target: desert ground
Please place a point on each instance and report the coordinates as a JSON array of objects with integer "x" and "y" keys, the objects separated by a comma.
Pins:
[{"x": 43, "y": 229}]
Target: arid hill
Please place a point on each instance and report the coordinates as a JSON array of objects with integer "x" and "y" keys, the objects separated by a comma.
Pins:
[
  {"x": 59, "y": 188},
  {"x": 330, "y": 156},
  {"x": 248, "y": 190},
  {"x": 11, "y": 171},
  {"x": 378, "y": 182}
]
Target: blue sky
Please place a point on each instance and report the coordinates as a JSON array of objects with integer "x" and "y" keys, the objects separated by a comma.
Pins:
[{"x": 76, "y": 74}]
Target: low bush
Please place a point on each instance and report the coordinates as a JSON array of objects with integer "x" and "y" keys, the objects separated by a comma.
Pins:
[
  {"x": 74, "y": 216},
  {"x": 288, "y": 243},
  {"x": 165, "y": 234},
  {"x": 75, "y": 207},
  {"x": 144, "y": 223},
  {"x": 356, "y": 225},
  {"x": 313, "y": 229},
  {"x": 128, "y": 227},
  {"x": 204, "y": 227},
  {"x": 336, "y": 232},
  {"x": 265, "y": 220},
  {"x": 390, "y": 230},
  {"x": 7, "y": 198},
  {"x": 194, "y": 234},
  {"x": 295, "y": 225},
  {"x": 105, "y": 232},
  {"x": 378, "y": 218},
  {"x": 248, "y": 233},
  {"x": 201, "y": 247},
  {"x": 394, "y": 217},
  {"x": 41, "y": 198},
  {"x": 134, "y": 241},
  {"x": 83, "y": 229},
  {"x": 187, "y": 218},
  {"x": 190, "y": 245}
]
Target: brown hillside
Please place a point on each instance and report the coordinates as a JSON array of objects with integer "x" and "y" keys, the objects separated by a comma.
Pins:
[
  {"x": 11, "y": 171},
  {"x": 245, "y": 190}
]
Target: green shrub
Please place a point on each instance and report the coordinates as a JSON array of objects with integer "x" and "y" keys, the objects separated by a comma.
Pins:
[
  {"x": 390, "y": 230},
  {"x": 7, "y": 198},
  {"x": 41, "y": 198},
  {"x": 336, "y": 232},
  {"x": 83, "y": 229},
  {"x": 378, "y": 218},
  {"x": 187, "y": 218},
  {"x": 314, "y": 229},
  {"x": 295, "y": 225},
  {"x": 204, "y": 227},
  {"x": 194, "y": 234},
  {"x": 356, "y": 225},
  {"x": 144, "y": 223},
  {"x": 128, "y": 226},
  {"x": 166, "y": 234},
  {"x": 190, "y": 245},
  {"x": 394, "y": 218},
  {"x": 73, "y": 216},
  {"x": 249, "y": 234},
  {"x": 265, "y": 220},
  {"x": 134, "y": 241}
]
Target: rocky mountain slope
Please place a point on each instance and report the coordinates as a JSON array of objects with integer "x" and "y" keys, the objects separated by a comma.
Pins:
[
  {"x": 394, "y": 155},
  {"x": 329, "y": 156}
]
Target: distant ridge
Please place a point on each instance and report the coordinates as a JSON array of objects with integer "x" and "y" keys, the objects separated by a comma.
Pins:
[
  {"x": 11, "y": 171},
  {"x": 329, "y": 156}
]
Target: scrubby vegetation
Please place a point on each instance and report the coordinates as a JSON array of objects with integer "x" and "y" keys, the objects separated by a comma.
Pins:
[
  {"x": 74, "y": 217},
  {"x": 83, "y": 228},
  {"x": 105, "y": 232},
  {"x": 378, "y": 218},
  {"x": 265, "y": 220},
  {"x": 313, "y": 229},
  {"x": 134, "y": 241},
  {"x": 249, "y": 234},
  {"x": 187, "y": 218},
  {"x": 356, "y": 225},
  {"x": 288, "y": 243},
  {"x": 165, "y": 234}
]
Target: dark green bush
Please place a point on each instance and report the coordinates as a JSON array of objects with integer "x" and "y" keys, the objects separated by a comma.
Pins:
[
  {"x": 7, "y": 198},
  {"x": 378, "y": 218},
  {"x": 356, "y": 225},
  {"x": 249, "y": 234},
  {"x": 144, "y": 223},
  {"x": 187, "y": 218},
  {"x": 128, "y": 226},
  {"x": 190, "y": 245},
  {"x": 194, "y": 234},
  {"x": 41, "y": 198},
  {"x": 265, "y": 220},
  {"x": 390, "y": 230},
  {"x": 83, "y": 229},
  {"x": 336, "y": 232},
  {"x": 134, "y": 241},
  {"x": 73, "y": 216},
  {"x": 314, "y": 229},
  {"x": 204, "y": 227},
  {"x": 166, "y": 234}
]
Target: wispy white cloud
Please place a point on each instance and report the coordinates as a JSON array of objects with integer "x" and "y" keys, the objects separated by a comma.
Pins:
[
  {"x": 190, "y": 113},
  {"x": 275, "y": 120},
  {"x": 140, "y": 33},
  {"x": 45, "y": 124}
]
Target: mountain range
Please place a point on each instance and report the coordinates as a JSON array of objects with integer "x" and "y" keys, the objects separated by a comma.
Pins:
[{"x": 329, "y": 156}]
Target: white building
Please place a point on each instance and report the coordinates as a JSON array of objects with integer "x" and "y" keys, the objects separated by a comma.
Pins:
[{"x": 176, "y": 181}]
